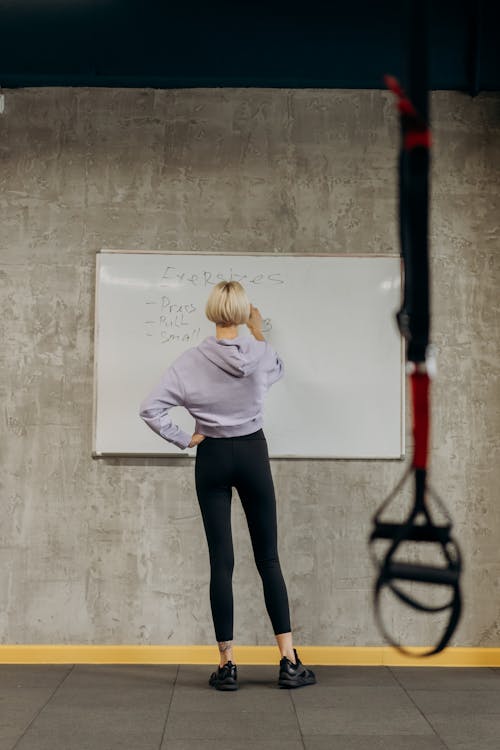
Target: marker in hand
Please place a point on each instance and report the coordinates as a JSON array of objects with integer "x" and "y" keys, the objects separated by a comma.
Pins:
[{"x": 255, "y": 323}]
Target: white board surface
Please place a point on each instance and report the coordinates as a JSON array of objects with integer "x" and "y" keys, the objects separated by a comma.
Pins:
[{"x": 330, "y": 318}]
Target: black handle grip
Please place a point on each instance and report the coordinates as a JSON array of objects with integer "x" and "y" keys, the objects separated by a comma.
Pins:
[
  {"x": 417, "y": 533},
  {"x": 421, "y": 573}
]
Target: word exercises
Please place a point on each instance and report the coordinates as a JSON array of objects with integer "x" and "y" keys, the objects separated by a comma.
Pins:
[{"x": 209, "y": 278}]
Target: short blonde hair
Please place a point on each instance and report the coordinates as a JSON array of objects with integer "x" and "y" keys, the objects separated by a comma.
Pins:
[{"x": 228, "y": 304}]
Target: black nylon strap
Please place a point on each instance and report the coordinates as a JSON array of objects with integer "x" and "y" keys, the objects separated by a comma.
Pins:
[
  {"x": 413, "y": 317},
  {"x": 419, "y": 526},
  {"x": 455, "y": 607}
]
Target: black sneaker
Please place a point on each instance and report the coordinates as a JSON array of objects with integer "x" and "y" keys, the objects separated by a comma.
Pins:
[
  {"x": 294, "y": 675},
  {"x": 226, "y": 677}
]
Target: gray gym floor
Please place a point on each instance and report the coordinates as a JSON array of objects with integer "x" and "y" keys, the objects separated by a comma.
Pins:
[{"x": 143, "y": 707}]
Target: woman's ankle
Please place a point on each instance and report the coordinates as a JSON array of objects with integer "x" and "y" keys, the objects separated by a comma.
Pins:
[
  {"x": 285, "y": 645},
  {"x": 225, "y": 652}
]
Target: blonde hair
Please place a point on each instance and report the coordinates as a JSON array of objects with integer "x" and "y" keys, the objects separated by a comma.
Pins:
[{"x": 228, "y": 304}]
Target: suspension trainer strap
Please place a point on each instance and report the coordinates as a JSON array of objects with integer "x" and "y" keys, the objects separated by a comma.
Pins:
[{"x": 414, "y": 324}]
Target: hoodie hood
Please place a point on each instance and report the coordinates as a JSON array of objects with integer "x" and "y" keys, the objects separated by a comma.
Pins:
[{"x": 238, "y": 357}]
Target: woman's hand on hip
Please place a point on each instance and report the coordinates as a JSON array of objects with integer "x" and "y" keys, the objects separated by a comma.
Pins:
[{"x": 196, "y": 440}]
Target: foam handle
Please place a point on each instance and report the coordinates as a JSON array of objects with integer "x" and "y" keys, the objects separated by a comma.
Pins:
[
  {"x": 420, "y": 394},
  {"x": 422, "y": 573}
]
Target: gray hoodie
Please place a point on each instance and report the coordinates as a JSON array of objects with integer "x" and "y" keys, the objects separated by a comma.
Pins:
[{"x": 222, "y": 384}]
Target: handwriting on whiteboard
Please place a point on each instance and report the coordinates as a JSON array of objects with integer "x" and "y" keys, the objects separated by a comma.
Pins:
[
  {"x": 174, "y": 277},
  {"x": 174, "y": 321}
]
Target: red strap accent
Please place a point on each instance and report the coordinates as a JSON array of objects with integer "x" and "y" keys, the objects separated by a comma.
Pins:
[
  {"x": 404, "y": 104},
  {"x": 420, "y": 383},
  {"x": 417, "y": 138},
  {"x": 392, "y": 83},
  {"x": 416, "y": 132},
  {"x": 406, "y": 107}
]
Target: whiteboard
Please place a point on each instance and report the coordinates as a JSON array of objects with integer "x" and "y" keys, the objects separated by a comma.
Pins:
[{"x": 330, "y": 318}]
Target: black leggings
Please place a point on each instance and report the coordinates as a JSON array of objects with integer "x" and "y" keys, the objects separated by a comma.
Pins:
[{"x": 242, "y": 462}]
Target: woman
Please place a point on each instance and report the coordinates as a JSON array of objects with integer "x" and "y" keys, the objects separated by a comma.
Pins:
[{"x": 222, "y": 383}]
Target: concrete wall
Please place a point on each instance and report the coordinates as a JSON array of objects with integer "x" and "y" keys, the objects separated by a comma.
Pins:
[{"x": 113, "y": 551}]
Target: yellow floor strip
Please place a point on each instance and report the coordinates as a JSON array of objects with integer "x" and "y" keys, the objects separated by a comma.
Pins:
[{"x": 320, "y": 655}]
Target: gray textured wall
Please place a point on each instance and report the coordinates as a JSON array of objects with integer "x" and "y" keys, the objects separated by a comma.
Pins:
[{"x": 113, "y": 551}]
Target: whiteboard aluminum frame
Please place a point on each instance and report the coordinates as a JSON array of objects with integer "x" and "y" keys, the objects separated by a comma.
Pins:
[{"x": 187, "y": 457}]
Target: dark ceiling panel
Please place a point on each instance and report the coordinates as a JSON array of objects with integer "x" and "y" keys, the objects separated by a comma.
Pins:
[
  {"x": 348, "y": 44},
  {"x": 489, "y": 47}
]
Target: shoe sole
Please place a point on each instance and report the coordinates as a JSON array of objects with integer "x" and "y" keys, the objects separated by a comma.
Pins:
[
  {"x": 226, "y": 687},
  {"x": 287, "y": 683},
  {"x": 230, "y": 685}
]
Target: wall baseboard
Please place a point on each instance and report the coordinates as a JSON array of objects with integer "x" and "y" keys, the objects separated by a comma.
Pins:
[{"x": 458, "y": 656}]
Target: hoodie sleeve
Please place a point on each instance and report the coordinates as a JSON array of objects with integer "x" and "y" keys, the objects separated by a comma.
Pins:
[
  {"x": 155, "y": 407},
  {"x": 276, "y": 368}
]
